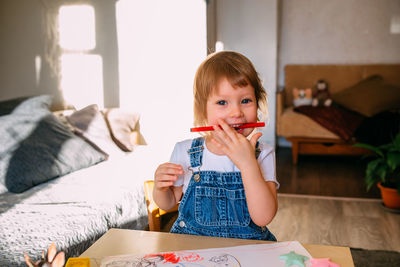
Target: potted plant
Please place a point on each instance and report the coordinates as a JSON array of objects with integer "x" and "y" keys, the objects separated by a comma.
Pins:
[{"x": 383, "y": 168}]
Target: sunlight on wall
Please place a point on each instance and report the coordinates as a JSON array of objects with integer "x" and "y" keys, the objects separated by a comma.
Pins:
[
  {"x": 161, "y": 44},
  {"x": 82, "y": 80},
  {"x": 81, "y": 72},
  {"x": 77, "y": 27},
  {"x": 38, "y": 69},
  {"x": 219, "y": 46}
]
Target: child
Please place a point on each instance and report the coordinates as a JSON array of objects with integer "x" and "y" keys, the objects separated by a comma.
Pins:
[{"x": 227, "y": 180}]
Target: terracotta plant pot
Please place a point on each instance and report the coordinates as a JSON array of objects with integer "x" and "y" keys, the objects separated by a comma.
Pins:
[{"x": 390, "y": 197}]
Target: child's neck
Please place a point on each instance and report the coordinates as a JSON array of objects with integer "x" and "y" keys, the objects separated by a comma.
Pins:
[{"x": 212, "y": 148}]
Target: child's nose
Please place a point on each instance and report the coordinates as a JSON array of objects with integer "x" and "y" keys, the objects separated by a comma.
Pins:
[{"x": 236, "y": 111}]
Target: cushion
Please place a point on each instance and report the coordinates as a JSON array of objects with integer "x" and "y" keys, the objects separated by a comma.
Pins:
[
  {"x": 335, "y": 118},
  {"x": 89, "y": 123},
  {"x": 36, "y": 147},
  {"x": 369, "y": 97},
  {"x": 124, "y": 128},
  {"x": 7, "y": 106}
]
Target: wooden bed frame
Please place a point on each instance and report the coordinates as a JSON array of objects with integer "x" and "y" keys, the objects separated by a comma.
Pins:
[{"x": 319, "y": 146}]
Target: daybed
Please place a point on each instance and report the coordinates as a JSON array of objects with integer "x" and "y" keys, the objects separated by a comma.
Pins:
[
  {"x": 358, "y": 92},
  {"x": 57, "y": 186}
]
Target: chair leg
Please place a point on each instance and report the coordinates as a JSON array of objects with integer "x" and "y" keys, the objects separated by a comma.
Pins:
[
  {"x": 153, "y": 211},
  {"x": 154, "y": 221}
]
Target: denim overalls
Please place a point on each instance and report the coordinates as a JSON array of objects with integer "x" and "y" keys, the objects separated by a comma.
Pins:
[{"x": 214, "y": 204}]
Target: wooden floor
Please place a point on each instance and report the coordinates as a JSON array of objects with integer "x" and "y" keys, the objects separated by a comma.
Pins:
[
  {"x": 357, "y": 223},
  {"x": 340, "y": 176}
]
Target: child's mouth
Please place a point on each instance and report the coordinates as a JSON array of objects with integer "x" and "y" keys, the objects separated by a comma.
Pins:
[{"x": 235, "y": 126}]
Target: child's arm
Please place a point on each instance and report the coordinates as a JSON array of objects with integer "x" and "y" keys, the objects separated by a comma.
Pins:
[
  {"x": 165, "y": 194},
  {"x": 261, "y": 195}
]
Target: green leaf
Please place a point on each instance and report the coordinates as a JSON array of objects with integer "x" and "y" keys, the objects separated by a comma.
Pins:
[
  {"x": 393, "y": 160},
  {"x": 375, "y": 149},
  {"x": 372, "y": 174},
  {"x": 396, "y": 142},
  {"x": 381, "y": 172},
  {"x": 370, "y": 181},
  {"x": 373, "y": 166}
]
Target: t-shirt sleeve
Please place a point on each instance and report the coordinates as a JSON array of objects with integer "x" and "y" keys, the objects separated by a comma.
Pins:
[
  {"x": 177, "y": 158},
  {"x": 267, "y": 164}
]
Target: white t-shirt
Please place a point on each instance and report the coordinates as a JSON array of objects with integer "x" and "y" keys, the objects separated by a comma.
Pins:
[{"x": 213, "y": 162}]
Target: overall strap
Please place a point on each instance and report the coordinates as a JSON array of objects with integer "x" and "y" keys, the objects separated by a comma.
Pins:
[
  {"x": 196, "y": 152},
  {"x": 258, "y": 150}
]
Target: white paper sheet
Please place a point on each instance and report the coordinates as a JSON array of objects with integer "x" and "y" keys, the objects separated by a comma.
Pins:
[{"x": 238, "y": 256}]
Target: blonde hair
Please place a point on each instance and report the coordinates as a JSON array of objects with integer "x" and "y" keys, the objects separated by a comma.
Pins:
[{"x": 239, "y": 71}]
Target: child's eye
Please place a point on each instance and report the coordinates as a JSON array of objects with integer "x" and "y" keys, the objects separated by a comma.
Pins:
[
  {"x": 221, "y": 102},
  {"x": 246, "y": 101}
]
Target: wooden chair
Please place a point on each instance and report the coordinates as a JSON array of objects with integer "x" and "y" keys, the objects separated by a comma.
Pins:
[{"x": 153, "y": 211}]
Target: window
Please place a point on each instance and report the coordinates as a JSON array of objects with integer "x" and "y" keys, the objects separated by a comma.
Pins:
[{"x": 81, "y": 69}]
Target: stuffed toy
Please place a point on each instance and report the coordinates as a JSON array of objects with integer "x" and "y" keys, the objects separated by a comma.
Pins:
[
  {"x": 322, "y": 95},
  {"x": 302, "y": 97}
]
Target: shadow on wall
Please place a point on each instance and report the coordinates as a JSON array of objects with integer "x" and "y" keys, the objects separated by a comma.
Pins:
[{"x": 32, "y": 42}]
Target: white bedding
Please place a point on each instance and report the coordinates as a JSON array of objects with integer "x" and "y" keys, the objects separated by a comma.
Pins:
[{"x": 76, "y": 209}]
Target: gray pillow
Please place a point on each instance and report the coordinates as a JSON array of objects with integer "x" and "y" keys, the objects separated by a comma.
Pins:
[
  {"x": 7, "y": 106},
  {"x": 36, "y": 147}
]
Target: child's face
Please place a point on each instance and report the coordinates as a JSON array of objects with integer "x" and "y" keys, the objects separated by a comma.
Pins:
[{"x": 234, "y": 105}]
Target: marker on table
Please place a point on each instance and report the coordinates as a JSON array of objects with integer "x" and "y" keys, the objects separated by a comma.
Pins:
[{"x": 246, "y": 125}]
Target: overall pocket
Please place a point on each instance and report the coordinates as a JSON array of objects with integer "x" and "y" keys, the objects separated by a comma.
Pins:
[
  {"x": 220, "y": 207},
  {"x": 236, "y": 207}
]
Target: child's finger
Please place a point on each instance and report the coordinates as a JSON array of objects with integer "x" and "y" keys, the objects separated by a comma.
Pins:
[
  {"x": 220, "y": 136},
  {"x": 170, "y": 165},
  {"x": 254, "y": 139},
  {"x": 227, "y": 129},
  {"x": 162, "y": 181},
  {"x": 166, "y": 177},
  {"x": 169, "y": 168},
  {"x": 167, "y": 184},
  {"x": 224, "y": 131},
  {"x": 219, "y": 145}
]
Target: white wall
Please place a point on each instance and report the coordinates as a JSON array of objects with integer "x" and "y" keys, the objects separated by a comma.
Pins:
[
  {"x": 337, "y": 32},
  {"x": 250, "y": 27},
  {"x": 22, "y": 40}
]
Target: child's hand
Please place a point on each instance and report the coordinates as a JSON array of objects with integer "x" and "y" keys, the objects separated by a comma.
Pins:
[
  {"x": 166, "y": 174},
  {"x": 235, "y": 145}
]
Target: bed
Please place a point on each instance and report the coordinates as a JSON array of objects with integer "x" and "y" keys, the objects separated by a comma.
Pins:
[
  {"x": 71, "y": 207},
  {"x": 365, "y": 108}
]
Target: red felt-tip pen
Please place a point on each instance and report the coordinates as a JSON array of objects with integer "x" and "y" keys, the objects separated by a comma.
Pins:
[{"x": 246, "y": 125}]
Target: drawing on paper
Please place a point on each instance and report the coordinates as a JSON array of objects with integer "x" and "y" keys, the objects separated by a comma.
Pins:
[
  {"x": 225, "y": 260},
  {"x": 239, "y": 256}
]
